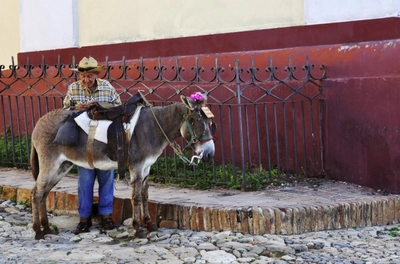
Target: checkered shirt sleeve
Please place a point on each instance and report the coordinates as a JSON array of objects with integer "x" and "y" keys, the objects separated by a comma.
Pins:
[{"x": 104, "y": 92}]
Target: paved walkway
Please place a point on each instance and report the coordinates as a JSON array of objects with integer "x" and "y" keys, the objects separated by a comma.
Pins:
[
  {"x": 369, "y": 245},
  {"x": 291, "y": 209}
]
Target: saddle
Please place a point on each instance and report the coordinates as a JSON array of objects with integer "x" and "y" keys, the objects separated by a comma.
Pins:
[
  {"x": 106, "y": 111},
  {"x": 118, "y": 140},
  {"x": 68, "y": 133}
]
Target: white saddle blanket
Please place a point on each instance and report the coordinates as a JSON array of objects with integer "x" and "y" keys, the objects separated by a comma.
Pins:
[{"x": 85, "y": 122}]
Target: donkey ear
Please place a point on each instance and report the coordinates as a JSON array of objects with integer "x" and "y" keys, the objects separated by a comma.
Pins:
[{"x": 188, "y": 102}]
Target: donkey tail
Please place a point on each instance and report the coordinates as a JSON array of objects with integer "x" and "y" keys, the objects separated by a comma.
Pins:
[{"x": 34, "y": 163}]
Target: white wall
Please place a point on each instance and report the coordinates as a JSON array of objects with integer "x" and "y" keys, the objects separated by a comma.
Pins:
[
  {"x": 136, "y": 20},
  {"x": 328, "y": 11},
  {"x": 9, "y": 37},
  {"x": 48, "y": 24}
]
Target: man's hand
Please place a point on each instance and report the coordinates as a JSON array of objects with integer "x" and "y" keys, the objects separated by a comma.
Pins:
[{"x": 83, "y": 106}]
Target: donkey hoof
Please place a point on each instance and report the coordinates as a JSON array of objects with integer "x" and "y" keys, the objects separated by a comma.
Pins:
[
  {"x": 49, "y": 231},
  {"x": 152, "y": 227},
  {"x": 141, "y": 233},
  {"x": 39, "y": 235}
]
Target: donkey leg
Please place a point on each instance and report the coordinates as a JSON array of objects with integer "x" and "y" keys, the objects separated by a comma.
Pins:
[
  {"x": 35, "y": 200},
  {"x": 44, "y": 221},
  {"x": 47, "y": 179},
  {"x": 39, "y": 210},
  {"x": 136, "y": 201},
  {"x": 147, "y": 220}
]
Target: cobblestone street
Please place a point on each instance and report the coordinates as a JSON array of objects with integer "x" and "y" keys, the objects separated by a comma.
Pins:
[{"x": 17, "y": 244}]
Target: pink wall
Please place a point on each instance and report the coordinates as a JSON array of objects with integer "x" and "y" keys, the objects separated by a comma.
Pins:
[
  {"x": 299, "y": 36},
  {"x": 361, "y": 117}
]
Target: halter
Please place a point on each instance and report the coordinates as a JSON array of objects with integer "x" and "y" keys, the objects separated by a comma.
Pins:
[{"x": 194, "y": 139}]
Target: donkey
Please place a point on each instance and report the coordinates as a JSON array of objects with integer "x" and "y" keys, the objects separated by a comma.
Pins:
[{"x": 156, "y": 127}]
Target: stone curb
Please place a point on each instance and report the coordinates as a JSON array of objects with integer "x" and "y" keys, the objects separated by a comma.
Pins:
[{"x": 255, "y": 220}]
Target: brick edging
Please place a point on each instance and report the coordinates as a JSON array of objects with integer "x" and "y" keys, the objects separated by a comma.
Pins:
[{"x": 255, "y": 221}]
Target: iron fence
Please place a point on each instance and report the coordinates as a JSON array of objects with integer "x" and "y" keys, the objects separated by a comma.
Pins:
[{"x": 269, "y": 119}]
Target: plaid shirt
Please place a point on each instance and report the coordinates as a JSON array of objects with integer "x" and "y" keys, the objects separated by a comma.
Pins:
[{"x": 104, "y": 92}]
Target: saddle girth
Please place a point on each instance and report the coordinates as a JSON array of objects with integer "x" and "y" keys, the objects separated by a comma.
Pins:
[
  {"x": 90, "y": 140},
  {"x": 118, "y": 141}
]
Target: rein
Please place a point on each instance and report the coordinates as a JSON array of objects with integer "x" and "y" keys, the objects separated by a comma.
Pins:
[{"x": 176, "y": 147}]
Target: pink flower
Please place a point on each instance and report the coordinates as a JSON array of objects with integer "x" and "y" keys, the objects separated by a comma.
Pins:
[{"x": 196, "y": 96}]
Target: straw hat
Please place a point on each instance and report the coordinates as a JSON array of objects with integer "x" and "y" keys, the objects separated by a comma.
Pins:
[{"x": 88, "y": 65}]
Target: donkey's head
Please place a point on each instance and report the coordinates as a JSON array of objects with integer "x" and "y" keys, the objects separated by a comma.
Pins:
[{"x": 197, "y": 126}]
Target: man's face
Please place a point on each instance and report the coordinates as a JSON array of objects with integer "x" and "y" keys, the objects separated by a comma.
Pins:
[{"x": 88, "y": 79}]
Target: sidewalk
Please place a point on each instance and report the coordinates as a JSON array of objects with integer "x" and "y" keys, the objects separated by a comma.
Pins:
[{"x": 284, "y": 210}]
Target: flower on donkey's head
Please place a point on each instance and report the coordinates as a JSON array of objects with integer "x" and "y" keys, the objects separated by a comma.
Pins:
[{"x": 197, "y": 96}]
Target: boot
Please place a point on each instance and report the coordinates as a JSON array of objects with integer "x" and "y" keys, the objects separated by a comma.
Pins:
[
  {"x": 83, "y": 226},
  {"x": 107, "y": 222}
]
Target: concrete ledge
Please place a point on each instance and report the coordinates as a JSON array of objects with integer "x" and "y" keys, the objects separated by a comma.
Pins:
[{"x": 288, "y": 210}]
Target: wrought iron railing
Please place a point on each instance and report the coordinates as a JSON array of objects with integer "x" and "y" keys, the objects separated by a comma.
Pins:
[{"x": 269, "y": 120}]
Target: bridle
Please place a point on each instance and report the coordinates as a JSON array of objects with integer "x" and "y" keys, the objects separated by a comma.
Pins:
[{"x": 194, "y": 138}]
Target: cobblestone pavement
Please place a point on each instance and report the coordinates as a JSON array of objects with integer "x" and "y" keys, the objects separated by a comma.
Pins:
[{"x": 17, "y": 244}]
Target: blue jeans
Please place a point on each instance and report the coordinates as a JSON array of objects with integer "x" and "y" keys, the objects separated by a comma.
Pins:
[{"x": 86, "y": 178}]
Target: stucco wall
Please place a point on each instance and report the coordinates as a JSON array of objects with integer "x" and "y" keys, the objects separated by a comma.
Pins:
[
  {"x": 148, "y": 20},
  {"x": 328, "y": 11},
  {"x": 9, "y": 37},
  {"x": 56, "y": 24},
  {"x": 48, "y": 24}
]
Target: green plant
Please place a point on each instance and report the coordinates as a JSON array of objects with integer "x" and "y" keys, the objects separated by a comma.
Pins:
[
  {"x": 26, "y": 203},
  {"x": 78, "y": 240},
  {"x": 253, "y": 182},
  {"x": 259, "y": 177},
  {"x": 13, "y": 199},
  {"x": 203, "y": 184},
  {"x": 55, "y": 227},
  {"x": 14, "y": 150},
  {"x": 393, "y": 232},
  {"x": 205, "y": 176}
]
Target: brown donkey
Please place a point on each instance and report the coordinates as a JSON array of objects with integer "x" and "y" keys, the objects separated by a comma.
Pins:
[{"x": 155, "y": 129}]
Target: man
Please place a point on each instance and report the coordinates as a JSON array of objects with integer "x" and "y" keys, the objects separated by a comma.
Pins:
[{"x": 80, "y": 95}]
